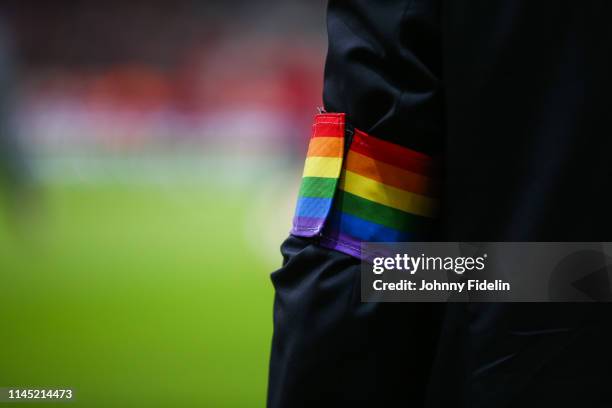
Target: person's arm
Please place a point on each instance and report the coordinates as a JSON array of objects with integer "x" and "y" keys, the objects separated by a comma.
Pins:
[{"x": 370, "y": 174}]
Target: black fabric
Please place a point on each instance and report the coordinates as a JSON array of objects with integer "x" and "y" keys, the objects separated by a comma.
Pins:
[
  {"x": 527, "y": 90},
  {"x": 383, "y": 70},
  {"x": 527, "y": 143},
  {"x": 512, "y": 97},
  {"x": 330, "y": 349}
]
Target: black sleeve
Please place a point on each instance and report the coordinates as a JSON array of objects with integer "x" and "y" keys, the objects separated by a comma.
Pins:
[{"x": 383, "y": 69}]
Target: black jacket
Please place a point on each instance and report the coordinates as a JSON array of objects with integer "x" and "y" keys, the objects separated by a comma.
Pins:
[{"x": 512, "y": 98}]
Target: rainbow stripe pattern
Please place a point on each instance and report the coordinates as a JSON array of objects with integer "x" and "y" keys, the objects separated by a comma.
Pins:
[
  {"x": 375, "y": 192},
  {"x": 321, "y": 174}
]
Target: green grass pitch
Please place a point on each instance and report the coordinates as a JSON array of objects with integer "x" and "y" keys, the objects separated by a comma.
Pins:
[{"x": 135, "y": 296}]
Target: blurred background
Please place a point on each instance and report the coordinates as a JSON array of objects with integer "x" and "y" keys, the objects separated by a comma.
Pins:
[{"x": 150, "y": 154}]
